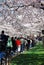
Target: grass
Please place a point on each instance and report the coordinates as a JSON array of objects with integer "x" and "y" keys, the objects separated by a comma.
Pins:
[{"x": 34, "y": 56}]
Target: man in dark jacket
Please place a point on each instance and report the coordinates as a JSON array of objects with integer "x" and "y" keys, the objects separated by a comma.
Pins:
[
  {"x": 14, "y": 44},
  {"x": 4, "y": 40}
]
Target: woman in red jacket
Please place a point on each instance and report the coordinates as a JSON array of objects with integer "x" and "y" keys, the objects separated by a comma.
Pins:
[{"x": 18, "y": 43}]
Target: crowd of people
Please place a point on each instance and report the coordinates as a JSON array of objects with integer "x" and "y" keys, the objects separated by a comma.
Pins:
[
  {"x": 9, "y": 46},
  {"x": 16, "y": 44}
]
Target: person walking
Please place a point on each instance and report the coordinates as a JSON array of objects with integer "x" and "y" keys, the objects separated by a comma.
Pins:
[
  {"x": 14, "y": 44},
  {"x": 3, "y": 38},
  {"x": 18, "y": 43}
]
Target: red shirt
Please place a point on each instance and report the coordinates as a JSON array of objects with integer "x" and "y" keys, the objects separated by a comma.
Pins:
[{"x": 18, "y": 42}]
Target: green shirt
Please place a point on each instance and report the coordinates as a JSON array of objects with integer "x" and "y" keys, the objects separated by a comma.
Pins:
[{"x": 9, "y": 43}]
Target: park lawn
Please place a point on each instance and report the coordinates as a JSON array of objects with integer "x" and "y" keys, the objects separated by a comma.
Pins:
[{"x": 34, "y": 56}]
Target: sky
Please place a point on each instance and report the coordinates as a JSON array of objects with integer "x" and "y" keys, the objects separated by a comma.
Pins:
[
  {"x": 2, "y": 1},
  {"x": 0, "y": 5}
]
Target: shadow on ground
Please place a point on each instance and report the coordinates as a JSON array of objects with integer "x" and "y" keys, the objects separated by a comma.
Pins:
[{"x": 28, "y": 59}]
